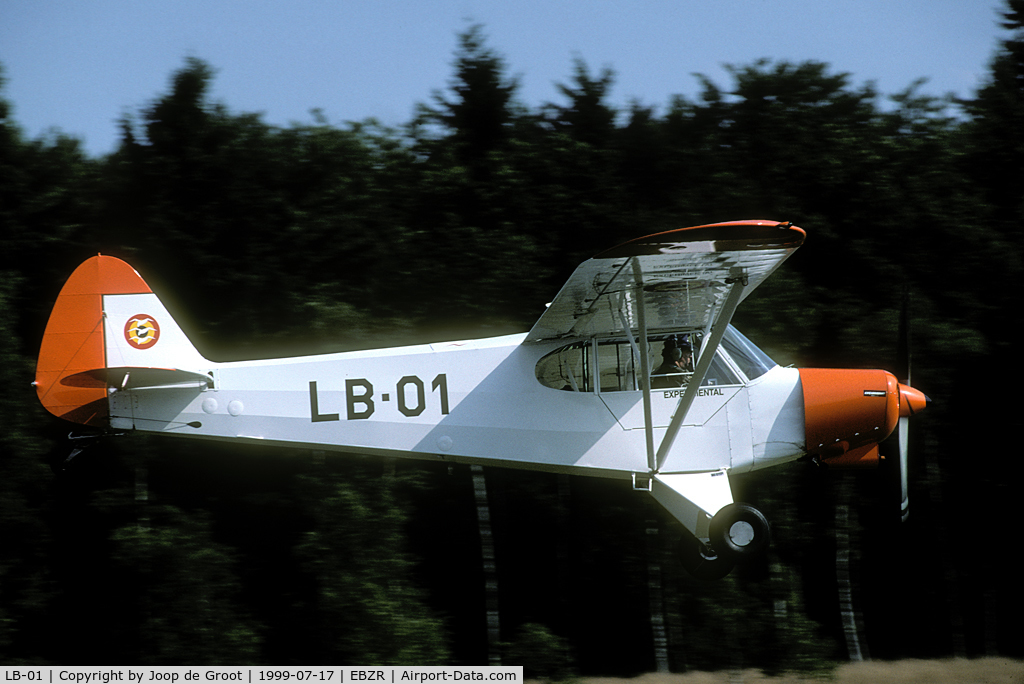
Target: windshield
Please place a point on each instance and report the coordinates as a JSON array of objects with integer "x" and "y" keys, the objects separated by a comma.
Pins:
[{"x": 745, "y": 354}]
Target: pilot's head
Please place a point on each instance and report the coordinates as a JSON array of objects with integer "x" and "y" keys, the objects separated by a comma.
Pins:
[{"x": 678, "y": 353}]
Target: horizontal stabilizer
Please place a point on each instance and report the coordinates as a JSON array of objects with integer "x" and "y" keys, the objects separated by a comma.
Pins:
[{"x": 137, "y": 378}]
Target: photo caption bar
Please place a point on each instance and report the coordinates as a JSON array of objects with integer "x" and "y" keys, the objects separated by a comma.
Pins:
[{"x": 387, "y": 674}]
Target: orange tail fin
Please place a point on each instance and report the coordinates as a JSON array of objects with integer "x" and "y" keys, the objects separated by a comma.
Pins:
[{"x": 105, "y": 323}]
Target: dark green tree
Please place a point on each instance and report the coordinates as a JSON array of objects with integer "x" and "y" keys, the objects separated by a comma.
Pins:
[
  {"x": 26, "y": 591},
  {"x": 476, "y": 157},
  {"x": 586, "y": 117},
  {"x": 996, "y": 130},
  {"x": 366, "y": 607},
  {"x": 574, "y": 172},
  {"x": 291, "y": 221},
  {"x": 43, "y": 207},
  {"x": 47, "y": 188},
  {"x": 642, "y": 165},
  {"x": 181, "y": 594},
  {"x": 482, "y": 106},
  {"x": 543, "y": 654},
  {"x": 198, "y": 188}
]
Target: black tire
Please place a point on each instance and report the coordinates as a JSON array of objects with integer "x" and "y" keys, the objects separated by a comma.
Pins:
[
  {"x": 701, "y": 561},
  {"x": 740, "y": 532}
]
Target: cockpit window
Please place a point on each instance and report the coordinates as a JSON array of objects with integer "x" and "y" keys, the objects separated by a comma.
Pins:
[
  {"x": 745, "y": 354},
  {"x": 567, "y": 368},
  {"x": 573, "y": 367}
]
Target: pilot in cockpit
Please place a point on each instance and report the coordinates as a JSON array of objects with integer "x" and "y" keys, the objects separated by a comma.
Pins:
[{"x": 676, "y": 365}]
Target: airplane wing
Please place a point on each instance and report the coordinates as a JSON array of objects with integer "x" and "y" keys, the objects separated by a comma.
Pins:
[{"x": 682, "y": 275}]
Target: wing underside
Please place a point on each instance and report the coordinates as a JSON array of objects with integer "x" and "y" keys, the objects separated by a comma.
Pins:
[{"x": 683, "y": 277}]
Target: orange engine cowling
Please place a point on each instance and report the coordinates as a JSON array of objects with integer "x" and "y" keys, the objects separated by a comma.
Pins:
[{"x": 848, "y": 412}]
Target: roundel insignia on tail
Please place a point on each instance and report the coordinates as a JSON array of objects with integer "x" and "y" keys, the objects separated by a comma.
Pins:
[{"x": 142, "y": 331}]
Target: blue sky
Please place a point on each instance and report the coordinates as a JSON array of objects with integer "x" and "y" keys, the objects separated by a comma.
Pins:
[{"x": 78, "y": 65}]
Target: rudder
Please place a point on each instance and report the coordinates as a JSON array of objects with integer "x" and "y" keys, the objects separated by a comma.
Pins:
[{"x": 105, "y": 317}]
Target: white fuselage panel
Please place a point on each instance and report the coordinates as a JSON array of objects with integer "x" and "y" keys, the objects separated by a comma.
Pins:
[{"x": 475, "y": 401}]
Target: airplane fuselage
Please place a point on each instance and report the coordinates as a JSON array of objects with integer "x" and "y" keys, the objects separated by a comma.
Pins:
[{"x": 475, "y": 401}]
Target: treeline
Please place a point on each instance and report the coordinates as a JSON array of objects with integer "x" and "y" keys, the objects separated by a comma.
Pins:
[{"x": 267, "y": 240}]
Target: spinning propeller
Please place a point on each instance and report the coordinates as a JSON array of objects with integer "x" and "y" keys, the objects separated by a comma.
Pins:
[{"x": 911, "y": 401}]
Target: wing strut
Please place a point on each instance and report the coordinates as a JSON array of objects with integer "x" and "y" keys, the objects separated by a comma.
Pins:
[
  {"x": 738, "y": 282},
  {"x": 645, "y": 366}
]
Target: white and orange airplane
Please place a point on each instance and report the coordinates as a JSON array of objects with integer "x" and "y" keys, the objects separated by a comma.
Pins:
[{"x": 632, "y": 372}]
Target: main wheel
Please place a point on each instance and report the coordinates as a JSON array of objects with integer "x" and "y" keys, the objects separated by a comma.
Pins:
[{"x": 740, "y": 531}]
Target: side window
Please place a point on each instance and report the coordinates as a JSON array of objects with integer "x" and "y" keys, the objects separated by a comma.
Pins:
[
  {"x": 617, "y": 368},
  {"x": 720, "y": 373},
  {"x": 571, "y": 367},
  {"x": 566, "y": 368}
]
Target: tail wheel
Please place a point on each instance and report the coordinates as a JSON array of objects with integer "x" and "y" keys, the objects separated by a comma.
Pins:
[{"x": 740, "y": 532}]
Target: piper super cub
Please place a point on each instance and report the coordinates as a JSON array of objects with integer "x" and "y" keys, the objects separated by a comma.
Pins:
[{"x": 632, "y": 372}]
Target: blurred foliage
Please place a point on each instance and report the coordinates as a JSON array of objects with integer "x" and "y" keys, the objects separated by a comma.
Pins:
[
  {"x": 543, "y": 655},
  {"x": 265, "y": 240},
  {"x": 369, "y": 611},
  {"x": 179, "y": 591}
]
